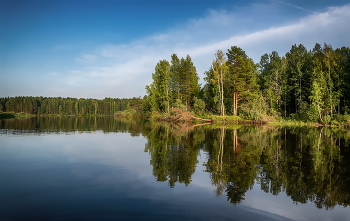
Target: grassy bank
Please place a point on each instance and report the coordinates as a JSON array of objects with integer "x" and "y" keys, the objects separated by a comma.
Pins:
[
  {"x": 177, "y": 115},
  {"x": 338, "y": 121},
  {"x": 232, "y": 120},
  {"x": 301, "y": 123},
  {"x": 295, "y": 123}
]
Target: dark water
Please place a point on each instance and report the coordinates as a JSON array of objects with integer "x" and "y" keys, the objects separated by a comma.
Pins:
[{"x": 91, "y": 168}]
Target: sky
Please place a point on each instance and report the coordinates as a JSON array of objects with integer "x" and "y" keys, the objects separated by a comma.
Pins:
[{"x": 109, "y": 48}]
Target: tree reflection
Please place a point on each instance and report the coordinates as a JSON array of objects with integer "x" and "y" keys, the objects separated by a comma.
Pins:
[
  {"x": 69, "y": 124},
  {"x": 173, "y": 157},
  {"x": 232, "y": 162},
  {"x": 308, "y": 164}
]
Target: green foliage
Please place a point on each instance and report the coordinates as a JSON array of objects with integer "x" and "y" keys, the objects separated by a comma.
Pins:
[
  {"x": 179, "y": 105},
  {"x": 341, "y": 119},
  {"x": 173, "y": 83},
  {"x": 343, "y": 70},
  {"x": 242, "y": 77},
  {"x": 211, "y": 93},
  {"x": 198, "y": 106},
  {"x": 230, "y": 84},
  {"x": 327, "y": 119},
  {"x": 315, "y": 82},
  {"x": 273, "y": 82},
  {"x": 69, "y": 106},
  {"x": 255, "y": 108},
  {"x": 220, "y": 70},
  {"x": 159, "y": 93}
]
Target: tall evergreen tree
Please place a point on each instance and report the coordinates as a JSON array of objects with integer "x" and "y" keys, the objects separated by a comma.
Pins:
[
  {"x": 325, "y": 83},
  {"x": 175, "y": 76},
  {"x": 343, "y": 68},
  {"x": 242, "y": 76},
  {"x": 297, "y": 70},
  {"x": 190, "y": 85},
  {"x": 159, "y": 92},
  {"x": 273, "y": 81},
  {"x": 210, "y": 92}
]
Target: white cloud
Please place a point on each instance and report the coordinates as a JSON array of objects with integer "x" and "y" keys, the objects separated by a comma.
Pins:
[{"x": 128, "y": 68}]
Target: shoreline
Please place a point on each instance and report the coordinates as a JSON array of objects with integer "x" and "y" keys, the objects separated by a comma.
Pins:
[{"x": 226, "y": 120}]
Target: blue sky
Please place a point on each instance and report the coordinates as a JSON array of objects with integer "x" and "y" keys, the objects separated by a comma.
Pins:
[{"x": 105, "y": 48}]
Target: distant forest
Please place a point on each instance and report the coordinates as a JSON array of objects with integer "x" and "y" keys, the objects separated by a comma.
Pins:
[
  {"x": 303, "y": 84},
  {"x": 66, "y": 106}
]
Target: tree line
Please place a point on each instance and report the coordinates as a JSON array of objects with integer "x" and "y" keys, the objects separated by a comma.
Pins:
[
  {"x": 305, "y": 84},
  {"x": 66, "y": 106}
]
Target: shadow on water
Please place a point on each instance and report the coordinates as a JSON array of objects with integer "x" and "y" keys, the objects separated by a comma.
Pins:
[
  {"x": 307, "y": 164},
  {"x": 6, "y": 116}
]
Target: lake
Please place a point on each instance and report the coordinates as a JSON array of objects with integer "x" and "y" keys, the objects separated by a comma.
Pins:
[{"x": 105, "y": 168}]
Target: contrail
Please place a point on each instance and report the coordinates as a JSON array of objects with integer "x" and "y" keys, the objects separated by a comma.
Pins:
[{"x": 295, "y": 6}]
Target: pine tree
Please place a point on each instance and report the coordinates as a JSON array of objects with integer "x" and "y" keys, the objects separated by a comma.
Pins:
[
  {"x": 159, "y": 91},
  {"x": 242, "y": 77},
  {"x": 273, "y": 81},
  {"x": 297, "y": 70}
]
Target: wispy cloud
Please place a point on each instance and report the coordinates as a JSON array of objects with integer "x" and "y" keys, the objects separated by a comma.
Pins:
[
  {"x": 128, "y": 67},
  {"x": 86, "y": 58}
]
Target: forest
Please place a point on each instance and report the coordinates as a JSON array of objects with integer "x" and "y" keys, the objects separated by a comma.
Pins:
[
  {"x": 308, "y": 85},
  {"x": 311, "y": 85},
  {"x": 67, "y": 106}
]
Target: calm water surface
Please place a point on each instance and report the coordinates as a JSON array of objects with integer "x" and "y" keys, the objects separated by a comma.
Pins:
[{"x": 90, "y": 168}]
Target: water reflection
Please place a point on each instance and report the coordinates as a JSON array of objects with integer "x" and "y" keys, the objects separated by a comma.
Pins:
[
  {"x": 307, "y": 164},
  {"x": 173, "y": 154},
  {"x": 68, "y": 124}
]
